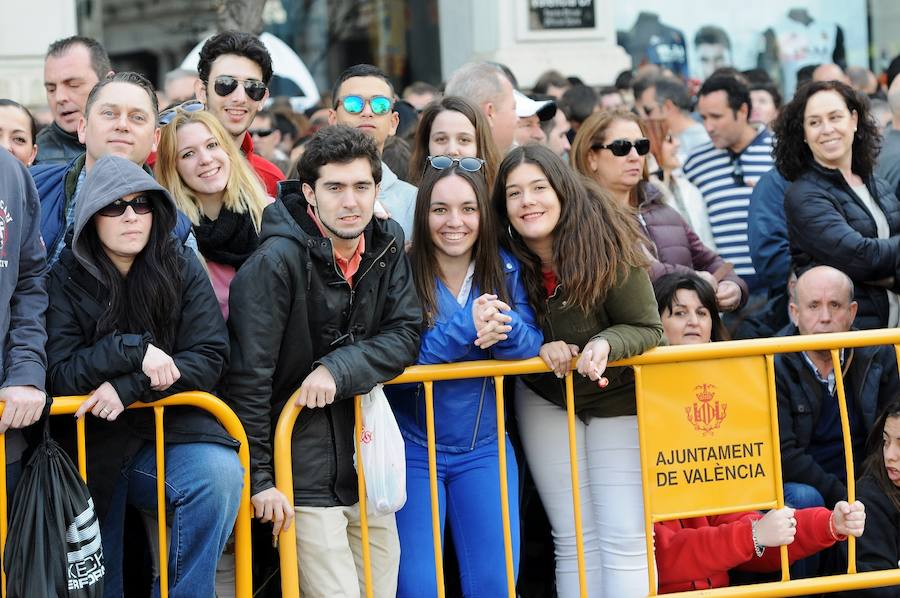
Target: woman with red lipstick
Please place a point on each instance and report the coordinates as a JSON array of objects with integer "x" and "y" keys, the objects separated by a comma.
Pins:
[
  {"x": 879, "y": 489},
  {"x": 586, "y": 279},
  {"x": 214, "y": 185},
  {"x": 611, "y": 148}
]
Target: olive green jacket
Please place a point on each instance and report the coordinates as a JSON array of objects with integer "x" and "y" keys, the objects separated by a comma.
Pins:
[{"x": 628, "y": 319}]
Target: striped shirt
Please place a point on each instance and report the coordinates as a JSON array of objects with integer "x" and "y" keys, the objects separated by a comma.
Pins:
[{"x": 712, "y": 170}]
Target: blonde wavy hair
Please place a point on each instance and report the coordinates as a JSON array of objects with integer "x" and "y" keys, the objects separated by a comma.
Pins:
[{"x": 243, "y": 193}]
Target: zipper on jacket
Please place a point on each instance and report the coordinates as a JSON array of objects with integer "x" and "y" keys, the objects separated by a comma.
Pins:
[{"x": 478, "y": 416}]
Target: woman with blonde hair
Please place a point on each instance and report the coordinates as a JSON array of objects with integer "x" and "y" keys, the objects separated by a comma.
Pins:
[
  {"x": 611, "y": 148},
  {"x": 216, "y": 188}
]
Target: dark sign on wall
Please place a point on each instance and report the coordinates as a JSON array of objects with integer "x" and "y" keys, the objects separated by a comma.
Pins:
[{"x": 561, "y": 14}]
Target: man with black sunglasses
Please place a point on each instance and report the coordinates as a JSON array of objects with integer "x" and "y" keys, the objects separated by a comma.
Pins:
[
  {"x": 234, "y": 71},
  {"x": 364, "y": 99}
]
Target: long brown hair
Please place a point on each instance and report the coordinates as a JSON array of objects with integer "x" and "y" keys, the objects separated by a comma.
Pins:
[
  {"x": 489, "y": 275},
  {"x": 594, "y": 242},
  {"x": 874, "y": 464},
  {"x": 593, "y": 131},
  {"x": 656, "y": 129},
  {"x": 484, "y": 139}
]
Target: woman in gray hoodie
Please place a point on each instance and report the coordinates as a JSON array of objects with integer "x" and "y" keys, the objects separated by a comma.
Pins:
[{"x": 133, "y": 318}]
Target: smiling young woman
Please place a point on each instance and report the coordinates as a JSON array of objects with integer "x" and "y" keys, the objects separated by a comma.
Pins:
[
  {"x": 585, "y": 274},
  {"x": 475, "y": 307},
  {"x": 213, "y": 184}
]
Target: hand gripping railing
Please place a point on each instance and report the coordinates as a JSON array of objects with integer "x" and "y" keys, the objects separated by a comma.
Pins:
[
  {"x": 202, "y": 400},
  {"x": 643, "y": 366}
]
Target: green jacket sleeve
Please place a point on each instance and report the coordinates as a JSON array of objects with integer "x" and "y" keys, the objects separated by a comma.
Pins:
[{"x": 634, "y": 317}]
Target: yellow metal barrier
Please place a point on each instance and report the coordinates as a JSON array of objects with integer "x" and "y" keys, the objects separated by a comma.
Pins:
[
  {"x": 643, "y": 365},
  {"x": 202, "y": 400}
]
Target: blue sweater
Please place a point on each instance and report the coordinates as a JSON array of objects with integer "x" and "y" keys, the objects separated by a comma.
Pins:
[{"x": 465, "y": 412}]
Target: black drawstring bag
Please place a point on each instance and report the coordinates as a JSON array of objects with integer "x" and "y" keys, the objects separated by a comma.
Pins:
[{"x": 53, "y": 544}]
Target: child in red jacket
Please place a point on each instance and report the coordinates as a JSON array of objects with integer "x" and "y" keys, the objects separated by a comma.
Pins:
[{"x": 697, "y": 553}]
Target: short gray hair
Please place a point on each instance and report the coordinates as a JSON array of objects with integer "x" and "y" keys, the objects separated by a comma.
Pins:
[{"x": 478, "y": 82}]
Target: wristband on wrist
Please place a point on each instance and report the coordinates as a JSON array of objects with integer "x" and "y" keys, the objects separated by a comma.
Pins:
[
  {"x": 837, "y": 537},
  {"x": 759, "y": 549}
]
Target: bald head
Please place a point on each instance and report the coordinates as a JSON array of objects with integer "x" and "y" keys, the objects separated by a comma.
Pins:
[
  {"x": 822, "y": 301},
  {"x": 830, "y": 72}
]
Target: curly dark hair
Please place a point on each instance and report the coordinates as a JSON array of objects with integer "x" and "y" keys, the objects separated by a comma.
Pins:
[
  {"x": 337, "y": 144},
  {"x": 792, "y": 154},
  {"x": 239, "y": 44}
]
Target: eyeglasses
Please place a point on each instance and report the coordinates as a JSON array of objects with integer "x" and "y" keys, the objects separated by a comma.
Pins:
[
  {"x": 225, "y": 85},
  {"x": 445, "y": 162},
  {"x": 738, "y": 171},
  {"x": 262, "y": 132},
  {"x": 622, "y": 147},
  {"x": 356, "y": 104},
  {"x": 140, "y": 204},
  {"x": 166, "y": 116}
]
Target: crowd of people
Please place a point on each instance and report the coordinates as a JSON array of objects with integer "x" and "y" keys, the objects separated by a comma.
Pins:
[{"x": 229, "y": 246}]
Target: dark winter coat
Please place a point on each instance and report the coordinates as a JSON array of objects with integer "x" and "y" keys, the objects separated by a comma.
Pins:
[
  {"x": 291, "y": 310},
  {"x": 829, "y": 225}
]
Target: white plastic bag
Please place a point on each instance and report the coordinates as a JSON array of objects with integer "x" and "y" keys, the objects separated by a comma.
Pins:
[{"x": 383, "y": 455}]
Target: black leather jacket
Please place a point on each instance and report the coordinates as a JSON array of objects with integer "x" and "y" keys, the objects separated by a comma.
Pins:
[
  {"x": 828, "y": 224},
  {"x": 291, "y": 310},
  {"x": 55, "y": 146}
]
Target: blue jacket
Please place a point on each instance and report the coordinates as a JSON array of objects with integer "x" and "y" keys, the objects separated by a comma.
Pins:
[
  {"x": 465, "y": 412},
  {"x": 767, "y": 231},
  {"x": 56, "y": 187}
]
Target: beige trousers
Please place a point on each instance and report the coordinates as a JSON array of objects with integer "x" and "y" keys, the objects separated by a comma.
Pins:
[{"x": 329, "y": 551}]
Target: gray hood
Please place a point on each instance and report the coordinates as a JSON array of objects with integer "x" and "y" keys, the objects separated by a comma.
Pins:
[{"x": 110, "y": 179}]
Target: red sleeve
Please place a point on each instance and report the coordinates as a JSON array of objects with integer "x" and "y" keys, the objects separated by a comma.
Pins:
[
  {"x": 701, "y": 547},
  {"x": 813, "y": 535}
]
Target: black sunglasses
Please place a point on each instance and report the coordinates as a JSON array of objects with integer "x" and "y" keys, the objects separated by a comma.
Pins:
[
  {"x": 166, "y": 116},
  {"x": 140, "y": 204},
  {"x": 738, "y": 171},
  {"x": 225, "y": 85},
  {"x": 622, "y": 147},
  {"x": 445, "y": 162},
  {"x": 262, "y": 132}
]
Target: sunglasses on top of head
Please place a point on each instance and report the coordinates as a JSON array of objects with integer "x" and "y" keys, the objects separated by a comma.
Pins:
[
  {"x": 445, "y": 162},
  {"x": 140, "y": 204},
  {"x": 225, "y": 85},
  {"x": 166, "y": 116},
  {"x": 356, "y": 104},
  {"x": 622, "y": 147}
]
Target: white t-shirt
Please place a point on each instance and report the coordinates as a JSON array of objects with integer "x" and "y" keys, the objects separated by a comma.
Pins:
[{"x": 884, "y": 232}]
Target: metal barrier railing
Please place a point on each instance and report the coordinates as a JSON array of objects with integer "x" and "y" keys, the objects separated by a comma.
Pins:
[
  {"x": 202, "y": 400},
  {"x": 643, "y": 365}
]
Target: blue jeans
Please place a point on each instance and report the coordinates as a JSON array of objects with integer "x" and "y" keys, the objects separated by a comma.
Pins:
[
  {"x": 803, "y": 496},
  {"x": 203, "y": 490},
  {"x": 469, "y": 496},
  {"x": 13, "y": 475}
]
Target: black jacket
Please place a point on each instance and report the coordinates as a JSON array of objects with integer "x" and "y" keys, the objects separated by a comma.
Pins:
[
  {"x": 870, "y": 375},
  {"x": 878, "y": 549},
  {"x": 828, "y": 224},
  {"x": 79, "y": 363},
  {"x": 290, "y": 310},
  {"x": 55, "y": 146}
]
